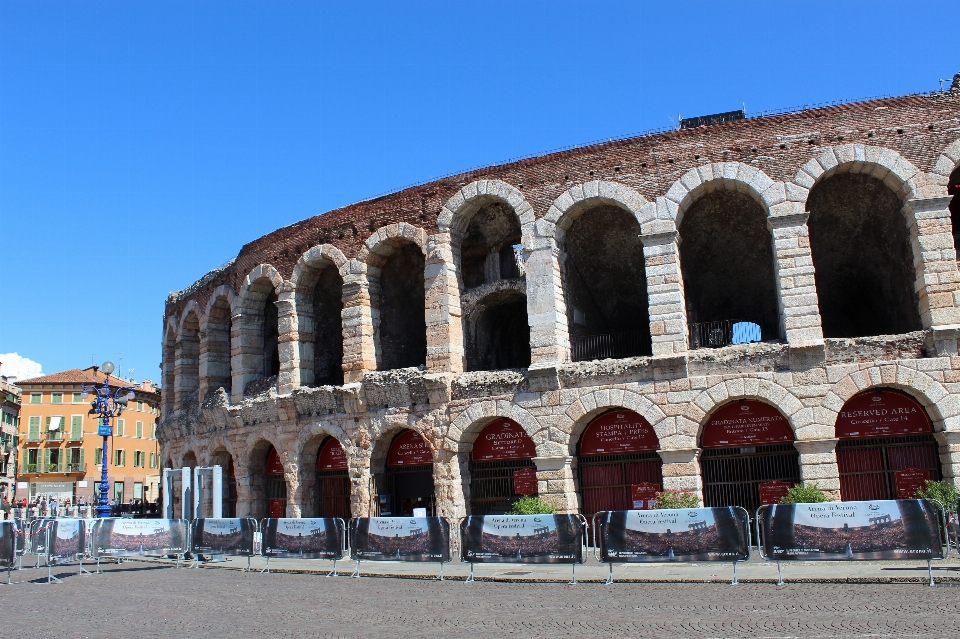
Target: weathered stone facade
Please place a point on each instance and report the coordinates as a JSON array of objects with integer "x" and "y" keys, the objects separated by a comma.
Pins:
[{"x": 765, "y": 177}]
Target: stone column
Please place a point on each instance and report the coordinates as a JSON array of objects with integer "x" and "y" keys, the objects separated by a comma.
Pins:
[
  {"x": 799, "y": 307},
  {"x": 291, "y": 475},
  {"x": 246, "y": 352},
  {"x": 443, "y": 313},
  {"x": 950, "y": 455},
  {"x": 288, "y": 340},
  {"x": 668, "y": 317},
  {"x": 935, "y": 257},
  {"x": 448, "y": 485},
  {"x": 546, "y": 308},
  {"x": 359, "y": 354},
  {"x": 681, "y": 470},
  {"x": 818, "y": 465},
  {"x": 245, "y": 507},
  {"x": 555, "y": 482}
]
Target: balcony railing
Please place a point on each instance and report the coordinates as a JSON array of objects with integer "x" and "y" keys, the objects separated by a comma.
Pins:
[
  {"x": 76, "y": 468},
  {"x": 30, "y": 468},
  {"x": 733, "y": 331},
  {"x": 608, "y": 346}
]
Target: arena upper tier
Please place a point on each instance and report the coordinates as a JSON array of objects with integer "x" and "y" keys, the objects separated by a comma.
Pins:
[{"x": 710, "y": 308}]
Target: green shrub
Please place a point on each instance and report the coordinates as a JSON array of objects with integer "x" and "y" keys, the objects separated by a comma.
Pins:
[
  {"x": 532, "y": 506},
  {"x": 676, "y": 499},
  {"x": 939, "y": 491},
  {"x": 804, "y": 494}
]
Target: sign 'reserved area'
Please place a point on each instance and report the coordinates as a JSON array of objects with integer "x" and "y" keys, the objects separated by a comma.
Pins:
[
  {"x": 332, "y": 456},
  {"x": 531, "y": 539},
  {"x": 745, "y": 423},
  {"x": 400, "y": 539},
  {"x": 682, "y": 534},
  {"x": 881, "y": 414},
  {"x": 304, "y": 538},
  {"x": 409, "y": 448},
  {"x": 887, "y": 529},
  {"x": 619, "y": 431},
  {"x": 224, "y": 536},
  {"x": 503, "y": 439}
]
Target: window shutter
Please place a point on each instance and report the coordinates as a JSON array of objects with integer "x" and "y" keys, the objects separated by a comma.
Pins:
[
  {"x": 46, "y": 459},
  {"x": 34, "y": 433},
  {"x": 139, "y": 429},
  {"x": 81, "y": 460},
  {"x": 76, "y": 428},
  {"x": 98, "y": 456},
  {"x": 123, "y": 458}
]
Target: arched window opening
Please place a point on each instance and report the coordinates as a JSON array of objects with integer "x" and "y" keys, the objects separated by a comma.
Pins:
[
  {"x": 886, "y": 448},
  {"x": 219, "y": 373},
  {"x": 333, "y": 480},
  {"x": 618, "y": 463},
  {"x": 229, "y": 490},
  {"x": 501, "y": 464},
  {"x": 271, "y": 336},
  {"x": 605, "y": 283},
  {"x": 401, "y": 329},
  {"x": 862, "y": 258},
  {"x": 275, "y": 486},
  {"x": 498, "y": 333},
  {"x": 726, "y": 257},
  {"x": 188, "y": 362},
  {"x": 745, "y": 444},
  {"x": 168, "y": 372},
  {"x": 953, "y": 188},
  {"x": 328, "y": 328},
  {"x": 405, "y": 482},
  {"x": 490, "y": 249}
]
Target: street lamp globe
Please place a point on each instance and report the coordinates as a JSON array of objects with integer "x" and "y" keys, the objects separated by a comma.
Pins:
[{"x": 107, "y": 367}]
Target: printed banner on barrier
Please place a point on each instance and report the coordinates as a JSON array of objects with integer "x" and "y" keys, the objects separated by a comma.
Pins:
[
  {"x": 140, "y": 537},
  {"x": 224, "y": 536},
  {"x": 887, "y": 529},
  {"x": 319, "y": 538},
  {"x": 528, "y": 539},
  {"x": 38, "y": 535},
  {"x": 7, "y": 543},
  {"x": 400, "y": 539},
  {"x": 682, "y": 534},
  {"x": 67, "y": 537}
]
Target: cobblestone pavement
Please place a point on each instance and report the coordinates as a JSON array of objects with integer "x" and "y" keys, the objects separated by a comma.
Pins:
[{"x": 150, "y": 600}]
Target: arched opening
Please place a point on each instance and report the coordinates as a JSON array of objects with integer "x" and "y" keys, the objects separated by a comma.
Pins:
[
  {"x": 188, "y": 361},
  {"x": 216, "y": 345},
  {"x": 271, "y": 336},
  {"x": 333, "y": 481},
  {"x": 953, "y": 188},
  {"x": 400, "y": 301},
  {"x": 498, "y": 334},
  {"x": 167, "y": 386},
  {"x": 275, "y": 486},
  {"x": 490, "y": 249},
  {"x": 744, "y": 444},
  {"x": 501, "y": 467},
  {"x": 605, "y": 284},
  {"x": 862, "y": 257},
  {"x": 189, "y": 460},
  {"x": 726, "y": 258},
  {"x": 618, "y": 464},
  {"x": 259, "y": 339},
  {"x": 405, "y": 482},
  {"x": 320, "y": 306},
  {"x": 224, "y": 459},
  {"x": 886, "y": 448}
]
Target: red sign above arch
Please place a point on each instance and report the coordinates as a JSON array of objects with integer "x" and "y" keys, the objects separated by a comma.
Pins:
[
  {"x": 409, "y": 448},
  {"x": 274, "y": 465},
  {"x": 881, "y": 413},
  {"x": 331, "y": 456},
  {"x": 619, "y": 431},
  {"x": 745, "y": 423},
  {"x": 503, "y": 439}
]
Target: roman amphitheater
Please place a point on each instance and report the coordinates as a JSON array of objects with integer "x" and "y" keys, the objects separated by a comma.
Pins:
[{"x": 729, "y": 308}]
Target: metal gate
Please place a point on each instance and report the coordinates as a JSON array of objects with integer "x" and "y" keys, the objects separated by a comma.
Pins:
[
  {"x": 868, "y": 466},
  {"x": 391, "y": 483},
  {"x": 491, "y": 485},
  {"x": 732, "y": 476},
  {"x": 333, "y": 493},
  {"x": 276, "y": 489},
  {"x": 605, "y": 480}
]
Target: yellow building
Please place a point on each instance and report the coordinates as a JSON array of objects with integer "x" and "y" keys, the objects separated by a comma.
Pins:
[{"x": 60, "y": 451}]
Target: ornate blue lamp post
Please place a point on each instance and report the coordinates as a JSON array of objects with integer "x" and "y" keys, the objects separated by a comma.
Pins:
[{"x": 106, "y": 406}]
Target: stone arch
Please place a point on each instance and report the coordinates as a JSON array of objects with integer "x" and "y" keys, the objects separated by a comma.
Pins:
[
  {"x": 394, "y": 262},
  {"x": 803, "y": 420},
  {"x": 946, "y": 164},
  {"x": 942, "y": 407},
  {"x": 722, "y": 176},
  {"x": 189, "y": 459},
  {"x": 457, "y": 211},
  {"x": 187, "y": 354},
  {"x": 574, "y": 201},
  {"x": 251, "y": 482},
  {"x": 886, "y": 165},
  {"x": 317, "y": 283},
  {"x": 307, "y": 445},
  {"x": 168, "y": 372},
  {"x": 216, "y": 327},
  {"x": 257, "y": 337},
  {"x": 463, "y": 431},
  {"x": 583, "y": 411}
]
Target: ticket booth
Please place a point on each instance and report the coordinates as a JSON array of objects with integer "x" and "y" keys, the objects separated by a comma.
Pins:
[
  {"x": 746, "y": 445},
  {"x": 333, "y": 481},
  {"x": 501, "y": 467},
  {"x": 886, "y": 448},
  {"x": 275, "y": 486},
  {"x": 618, "y": 464},
  {"x": 407, "y": 482}
]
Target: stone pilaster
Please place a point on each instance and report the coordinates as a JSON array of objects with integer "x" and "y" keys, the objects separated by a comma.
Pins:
[
  {"x": 448, "y": 485},
  {"x": 246, "y": 352},
  {"x": 950, "y": 455},
  {"x": 935, "y": 258},
  {"x": 359, "y": 315},
  {"x": 799, "y": 308},
  {"x": 288, "y": 340},
  {"x": 818, "y": 465},
  {"x": 555, "y": 482},
  {"x": 681, "y": 470},
  {"x": 546, "y": 308},
  {"x": 668, "y": 318},
  {"x": 443, "y": 313},
  {"x": 214, "y": 359}
]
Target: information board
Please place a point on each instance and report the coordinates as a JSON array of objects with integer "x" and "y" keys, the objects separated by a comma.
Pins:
[
  {"x": 745, "y": 423},
  {"x": 681, "y": 534},
  {"x": 772, "y": 492},
  {"x": 400, "y": 539},
  {"x": 531, "y": 539},
  {"x": 224, "y": 536},
  {"x": 409, "y": 449},
  {"x": 909, "y": 481},
  {"x": 881, "y": 414},
  {"x": 525, "y": 481},
  {"x": 306, "y": 538},
  {"x": 140, "y": 537},
  {"x": 503, "y": 439},
  {"x": 619, "y": 431}
]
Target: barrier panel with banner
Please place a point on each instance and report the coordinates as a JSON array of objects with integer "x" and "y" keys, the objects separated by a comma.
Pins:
[
  {"x": 140, "y": 538},
  {"x": 219, "y": 536},
  {"x": 8, "y": 546},
  {"x": 895, "y": 529},
  {"x": 400, "y": 539},
  {"x": 307, "y": 538},
  {"x": 523, "y": 539},
  {"x": 674, "y": 535}
]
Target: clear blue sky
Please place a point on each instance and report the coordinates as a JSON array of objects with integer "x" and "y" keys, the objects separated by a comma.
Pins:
[{"x": 143, "y": 143}]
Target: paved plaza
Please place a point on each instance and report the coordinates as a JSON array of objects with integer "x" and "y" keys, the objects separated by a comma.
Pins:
[{"x": 139, "y": 599}]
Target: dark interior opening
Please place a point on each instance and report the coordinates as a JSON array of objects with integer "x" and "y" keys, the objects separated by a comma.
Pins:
[
  {"x": 271, "y": 335},
  {"x": 490, "y": 247},
  {"x": 219, "y": 327},
  {"x": 402, "y": 327},
  {"x": 327, "y": 328},
  {"x": 499, "y": 333},
  {"x": 953, "y": 188}
]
